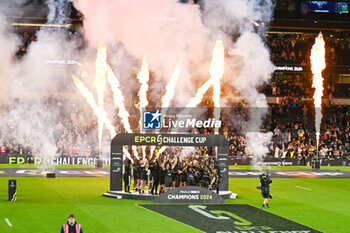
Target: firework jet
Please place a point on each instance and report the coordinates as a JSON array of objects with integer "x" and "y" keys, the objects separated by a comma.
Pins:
[
  {"x": 170, "y": 87},
  {"x": 100, "y": 85},
  {"x": 217, "y": 67},
  {"x": 143, "y": 77},
  {"x": 99, "y": 112},
  {"x": 318, "y": 64},
  {"x": 118, "y": 99}
]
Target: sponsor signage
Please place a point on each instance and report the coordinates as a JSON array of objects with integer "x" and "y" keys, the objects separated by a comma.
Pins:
[
  {"x": 189, "y": 194},
  {"x": 76, "y": 160},
  {"x": 289, "y": 174},
  {"x": 41, "y": 172},
  {"x": 179, "y": 118},
  {"x": 287, "y": 68},
  {"x": 161, "y": 139},
  {"x": 287, "y": 161},
  {"x": 171, "y": 139},
  {"x": 229, "y": 218}
]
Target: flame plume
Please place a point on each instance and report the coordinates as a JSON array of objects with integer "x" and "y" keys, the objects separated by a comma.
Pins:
[
  {"x": 170, "y": 87},
  {"x": 104, "y": 71},
  {"x": 169, "y": 94},
  {"x": 161, "y": 150},
  {"x": 143, "y": 77},
  {"x": 119, "y": 103},
  {"x": 216, "y": 71},
  {"x": 100, "y": 113},
  {"x": 118, "y": 99},
  {"x": 126, "y": 152},
  {"x": 217, "y": 68},
  {"x": 100, "y": 85},
  {"x": 318, "y": 64}
]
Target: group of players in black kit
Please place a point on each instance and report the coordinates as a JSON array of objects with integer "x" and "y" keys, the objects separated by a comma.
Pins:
[{"x": 169, "y": 170}]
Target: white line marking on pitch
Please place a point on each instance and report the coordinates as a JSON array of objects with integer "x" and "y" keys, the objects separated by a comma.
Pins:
[
  {"x": 8, "y": 222},
  {"x": 303, "y": 188}
]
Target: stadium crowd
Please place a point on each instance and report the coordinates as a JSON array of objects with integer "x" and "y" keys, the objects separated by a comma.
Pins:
[
  {"x": 284, "y": 48},
  {"x": 296, "y": 48},
  {"x": 293, "y": 128},
  {"x": 72, "y": 133},
  {"x": 28, "y": 35},
  {"x": 291, "y": 120}
]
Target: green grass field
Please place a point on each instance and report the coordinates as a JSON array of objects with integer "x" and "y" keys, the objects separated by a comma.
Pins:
[
  {"x": 240, "y": 167},
  {"x": 44, "y": 204}
]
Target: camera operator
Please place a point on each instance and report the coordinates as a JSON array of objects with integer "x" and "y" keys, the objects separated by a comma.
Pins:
[{"x": 265, "y": 184}]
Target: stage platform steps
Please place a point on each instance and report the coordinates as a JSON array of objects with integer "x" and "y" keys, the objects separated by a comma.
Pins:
[{"x": 149, "y": 197}]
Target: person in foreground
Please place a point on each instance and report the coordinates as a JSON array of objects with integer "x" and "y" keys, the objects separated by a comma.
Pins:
[{"x": 71, "y": 226}]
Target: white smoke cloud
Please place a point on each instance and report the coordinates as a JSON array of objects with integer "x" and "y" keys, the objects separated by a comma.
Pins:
[
  {"x": 235, "y": 16},
  {"x": 29, "y": 119},
  {"x": 164, "y": 32},
  {"x": 249, "y": 59},
  {"x": 9, "y": 43},
  {"x": 59, "y": 11},
  {"x": 254, "y": 69}
]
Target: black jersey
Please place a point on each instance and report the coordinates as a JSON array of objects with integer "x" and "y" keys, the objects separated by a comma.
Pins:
[
  {"x": 205, "y": 179},
  {"x": 196, "y": 174},
  {"x": 143, "y": 171},
  {"x": 190, "y": 181},
  {"x": 265, "y": 184},
  {"x": 182, "y": 175},
  {"x": 161, "y": 175},
  {"x": 154, "y": 170},
  {"x": 205, "y": 176},
  {"x": 127, "y": 169},
  {"x": 168, "y": 178},
  {"x": 136, "y": 168},
  {"x": 174, "y": 172},
  {"x": 218, "y": 169},
  {"x": 161, "y": 172},
  {"x": 216, "y": 179},
  {"x": 168, "y": 173}
]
